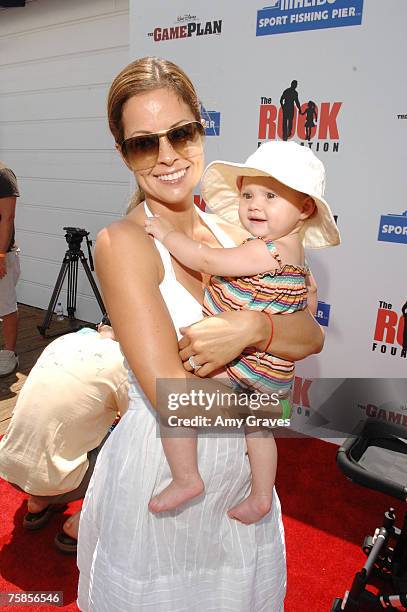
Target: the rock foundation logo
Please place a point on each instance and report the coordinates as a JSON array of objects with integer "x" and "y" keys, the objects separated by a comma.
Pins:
[
  {"x": 296, "y": 15},
  {"x": 390, "y": 335},
  {"x": 315, "y": 123},
  {"x": 300, "y": 396},
  {"x": 186, "y": 26}
]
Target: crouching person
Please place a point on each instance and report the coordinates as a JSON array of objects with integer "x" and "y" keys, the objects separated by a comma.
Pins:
[{"x": 62, "y": 417}]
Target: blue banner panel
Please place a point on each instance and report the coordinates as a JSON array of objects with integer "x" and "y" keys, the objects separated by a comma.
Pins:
[
  {"x": 322, "y": 315},
  {"x": 393, "y": 228},
  {"x": 212, "y": 121},
  {"x": 284, "y": 16}
]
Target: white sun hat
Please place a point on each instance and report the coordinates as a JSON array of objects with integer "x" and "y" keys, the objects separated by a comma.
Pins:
[{"x": 290, "y": 163}]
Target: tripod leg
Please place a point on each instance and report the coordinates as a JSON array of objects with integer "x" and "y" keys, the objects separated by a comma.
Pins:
[
  {"x": 72, "y": 287},
  {"x": 92, "y": 282},
  {"x": 54, "y": 297}
]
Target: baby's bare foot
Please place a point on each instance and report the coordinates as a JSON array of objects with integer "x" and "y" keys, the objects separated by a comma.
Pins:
[
  {"x": 176, "y": 494},
  {"x": 251, "y": 509}
]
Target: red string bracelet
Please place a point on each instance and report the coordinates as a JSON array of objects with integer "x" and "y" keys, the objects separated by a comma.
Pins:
[{"x": 271, "y": 330}]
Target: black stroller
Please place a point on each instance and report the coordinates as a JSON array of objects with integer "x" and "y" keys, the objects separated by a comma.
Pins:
[{"x": 377, "y": 459}]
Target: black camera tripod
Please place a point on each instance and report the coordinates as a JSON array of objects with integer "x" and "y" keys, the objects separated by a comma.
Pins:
[{"x": 74, "y": 237}]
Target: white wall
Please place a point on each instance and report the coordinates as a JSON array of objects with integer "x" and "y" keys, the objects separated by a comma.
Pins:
[{"x": 57, "y": 60}]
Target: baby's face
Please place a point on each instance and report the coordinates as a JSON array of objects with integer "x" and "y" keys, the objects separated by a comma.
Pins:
[{"x": 268, "y": 208}]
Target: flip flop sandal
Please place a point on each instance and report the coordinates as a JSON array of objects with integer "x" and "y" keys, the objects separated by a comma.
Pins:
[
  {"x": 66, "y": 544},
  {"x": 36, "y": 520}
]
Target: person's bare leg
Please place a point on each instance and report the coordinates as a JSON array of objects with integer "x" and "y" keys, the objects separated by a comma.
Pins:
[
  {"x": 71, "y": 525},
  {"x": 10, "y": 324},
  {"x": 186, "y": 482},
  {"x": 36, "y": 503},
  {"x": 262, "y": 452}
]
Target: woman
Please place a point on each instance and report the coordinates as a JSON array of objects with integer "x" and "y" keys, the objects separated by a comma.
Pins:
[{"x": 196, "y": 558}]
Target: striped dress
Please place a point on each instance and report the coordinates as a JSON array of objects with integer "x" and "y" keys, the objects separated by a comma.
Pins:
[{"x": 279, "y": 291}]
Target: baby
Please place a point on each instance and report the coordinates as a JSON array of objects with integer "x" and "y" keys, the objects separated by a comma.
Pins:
[{"x": 277, "y": 196}]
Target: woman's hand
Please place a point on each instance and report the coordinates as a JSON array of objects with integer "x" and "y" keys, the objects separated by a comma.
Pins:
[
  {"x": 216, "y": 341},
  {"x": 158, "y": 227}
]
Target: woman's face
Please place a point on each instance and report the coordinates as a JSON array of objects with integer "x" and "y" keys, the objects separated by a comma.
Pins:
[{"x": 173, "y": 177}]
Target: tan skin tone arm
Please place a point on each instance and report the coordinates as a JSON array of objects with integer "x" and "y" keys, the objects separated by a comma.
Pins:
[
  {"x": 7, "y": 212},
  {"x": 297, "y": 337},
  {"x": 218, "y": 340},
  {"x": 139, "y": 316},
  {"x": 312, "y": 298}
]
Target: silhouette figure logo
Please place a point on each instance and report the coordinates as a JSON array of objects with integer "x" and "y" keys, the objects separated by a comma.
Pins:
[
  {"x": 292, "y": 116},
  {"x": 289, "y": 97}
]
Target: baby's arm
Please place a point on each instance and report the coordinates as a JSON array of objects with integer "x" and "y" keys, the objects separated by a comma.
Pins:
[
  {"x": 312, "y": 297},
  {"x": 248, "y": 259}
]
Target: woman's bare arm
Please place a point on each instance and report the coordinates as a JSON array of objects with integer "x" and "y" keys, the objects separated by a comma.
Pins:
[
  {"x": 248, "y": 259},
  {"x": 130, "y": 272},
  {"x": 216, "y": 341},
  {"x": 296, "y": 336},
  {"x": 312, "y": 297}
]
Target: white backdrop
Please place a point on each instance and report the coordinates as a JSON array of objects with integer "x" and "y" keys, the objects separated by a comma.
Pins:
[{"x": 348, "y": 58}]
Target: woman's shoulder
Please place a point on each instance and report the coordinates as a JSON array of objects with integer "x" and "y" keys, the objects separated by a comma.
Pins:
[
  {"x": 124, "y": 249},
  {"x": 236, "y": 232},
  {"x": 128, "y": 228},
  {"x": 127, "y": 239}
]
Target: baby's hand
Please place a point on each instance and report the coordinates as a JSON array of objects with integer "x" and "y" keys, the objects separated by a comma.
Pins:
[{"x": 158, "y": 227}]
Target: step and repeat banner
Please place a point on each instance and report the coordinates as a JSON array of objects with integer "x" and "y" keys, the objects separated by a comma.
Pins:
[{"x": 330, "y": 75}]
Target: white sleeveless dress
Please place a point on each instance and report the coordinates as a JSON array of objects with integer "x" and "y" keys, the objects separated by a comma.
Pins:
[{"x": 194, "y": 559}]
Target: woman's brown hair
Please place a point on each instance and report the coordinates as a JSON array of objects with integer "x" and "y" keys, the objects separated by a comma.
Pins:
[{"x": 147, "y": 74}]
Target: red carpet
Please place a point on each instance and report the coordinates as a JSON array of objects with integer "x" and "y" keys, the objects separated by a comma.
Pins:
[{"x": 326, "y": 518}]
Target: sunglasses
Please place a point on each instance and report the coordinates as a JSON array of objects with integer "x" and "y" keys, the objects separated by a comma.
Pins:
[{"x": 141, "y": 152}]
